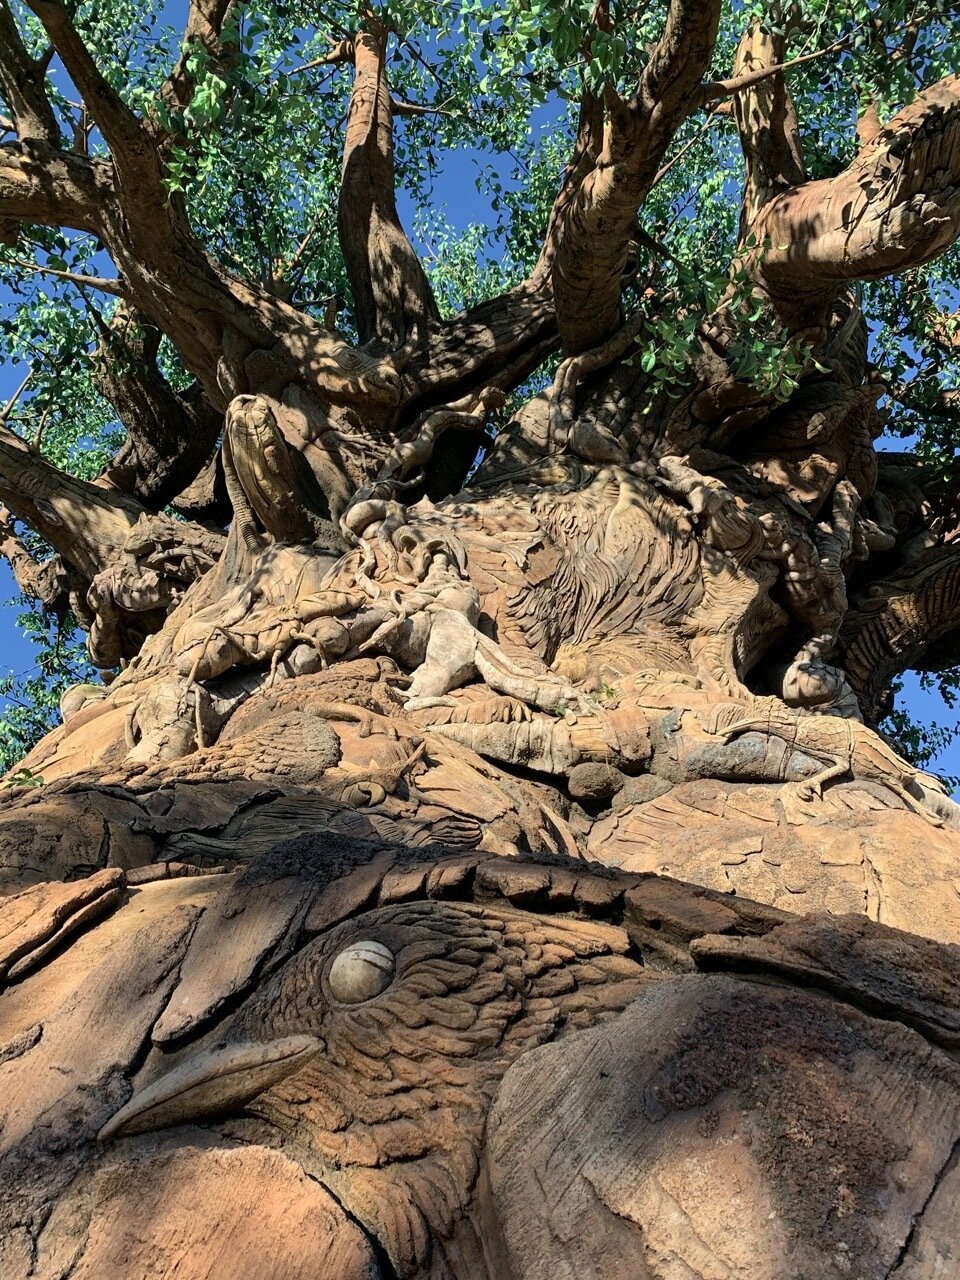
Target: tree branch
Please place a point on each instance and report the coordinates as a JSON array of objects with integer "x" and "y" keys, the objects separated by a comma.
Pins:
[
  {"x": 497, "y": 343},
  {"x": 907, "y": 622},
  {"x": 21, "y": 78},
  {"x": 757, "y": 73},
  {"x": 896, "y": 206},
  {"x": 591, "y": 235},
  {"x": 766, "y": 121},
  {"x": 170, "y": 437},
  {"x": 392, "y": 297},
  {"x": 205, "y": 23},
  {"x": 151, "y": 214},
  {"x": 100, "y": 283},
  {"x": 39, "y": 184},
  {"x": 45, "y": 581},
  {"x": 85, "y": 524}
]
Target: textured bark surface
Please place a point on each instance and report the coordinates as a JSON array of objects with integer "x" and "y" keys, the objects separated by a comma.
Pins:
[
  {"x": 468, "y": 1023},
  {"x": 363, "y": 1060}
]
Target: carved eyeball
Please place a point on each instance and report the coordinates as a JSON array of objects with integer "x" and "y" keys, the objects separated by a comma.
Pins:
[{"x": 361, "y": 971}]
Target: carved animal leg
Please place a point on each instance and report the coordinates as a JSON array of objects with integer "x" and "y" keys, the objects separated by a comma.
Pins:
[
  {"x": 811, "y": 787},
  {"x": 546, "y": 692},
  {"x": 914, "y": 805},
  {"x": 450, "y": 659}
]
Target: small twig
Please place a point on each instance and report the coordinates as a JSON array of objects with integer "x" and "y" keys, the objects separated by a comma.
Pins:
[
  {"x": 300, "y": 250},
  {"x": 115, "y": 287},
  {"x": 8, "y": 408},
  {"x": 715, "y": 89},
  {"x": 341, "y": 52},
  {"x": 714, "y": 114},
  {"x": 399, "y": 107},
  {"x": 38, "y": 434}
]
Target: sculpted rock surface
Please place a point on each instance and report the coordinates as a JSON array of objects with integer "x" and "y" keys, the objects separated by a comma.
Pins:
[
  {"x": 662, "y": 776},
  {"x": 540, "y": 1081}
]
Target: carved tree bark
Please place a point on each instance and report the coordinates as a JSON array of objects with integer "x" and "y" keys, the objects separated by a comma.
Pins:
[
  {"x": 637, "y": 601},
  {"x": 654, "y": 631}
]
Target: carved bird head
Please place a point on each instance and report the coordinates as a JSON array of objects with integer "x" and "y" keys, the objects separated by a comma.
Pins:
[{"x": 375, "y": 1052}]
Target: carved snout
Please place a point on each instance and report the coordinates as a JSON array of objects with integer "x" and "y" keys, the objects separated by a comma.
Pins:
[{"x": 217, "y": 1082}]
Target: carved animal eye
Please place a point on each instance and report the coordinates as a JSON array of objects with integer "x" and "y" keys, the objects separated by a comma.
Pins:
[{"x": 361, "y": 971}]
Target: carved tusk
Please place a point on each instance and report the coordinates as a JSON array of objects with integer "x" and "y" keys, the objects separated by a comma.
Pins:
[{"x": 218, "y": 1081}]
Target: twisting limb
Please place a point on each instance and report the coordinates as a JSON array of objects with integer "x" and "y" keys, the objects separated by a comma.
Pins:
[
  {"x": 566, "y": 430},
  {"x": 497, "y": 343},
  {"x": 416, "y": 449},
  {"x": 84, "y": 523},
  {"x": 582, "y": 162},
  {"x": 21, "y": 78},
  {"x": 43, "y": 581},
  {"x": 591, "y": 234},
  {"x": 392, "y": 297},
  {"x": 40, "y": 184},
  {"x": 170, "y": 435},
  {"x": 896, "y": 206},
  {"x": 907, "y": 621}
]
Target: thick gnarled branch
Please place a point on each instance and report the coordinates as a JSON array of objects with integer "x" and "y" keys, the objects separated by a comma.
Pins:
[
  {"x": 170, "y": 436},
  {"x": 908, "y": 621},
  {"x": 138, "y": 165},
  {"x": 591, "y": 237},
  {"x": 896, "y": 206},
  {"x": 392, "y": 297},
  {"x": 85, "y": 524},
  {"x": 42, "y": 185},
  {"x": 21, "y": 78}
]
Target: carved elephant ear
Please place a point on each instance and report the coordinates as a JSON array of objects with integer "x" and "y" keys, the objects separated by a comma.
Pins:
[{"x": 734, "y": 1128}]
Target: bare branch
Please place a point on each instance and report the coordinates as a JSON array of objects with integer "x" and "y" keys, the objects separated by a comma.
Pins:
[
  {"x": 11, "y": 404},
  {"x": 757, "y": 74},
  {"x": 393, "y": 300},
  {"x": 896, "y": 206},
  {"x": 400, "y": 107},
  {"x": 21, "y": 78},
  {"x": 342, "y": 51},
  {"x": 100, "y": 283}
]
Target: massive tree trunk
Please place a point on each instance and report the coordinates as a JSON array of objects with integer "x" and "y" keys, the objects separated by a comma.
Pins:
[{"x": 654, "y": 629}]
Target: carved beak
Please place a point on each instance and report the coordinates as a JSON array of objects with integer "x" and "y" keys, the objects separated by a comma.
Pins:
[{"x": 216, "y": 1082}]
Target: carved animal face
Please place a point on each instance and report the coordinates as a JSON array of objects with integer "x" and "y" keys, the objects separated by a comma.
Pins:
[{"x": 391, "y": 1033}]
